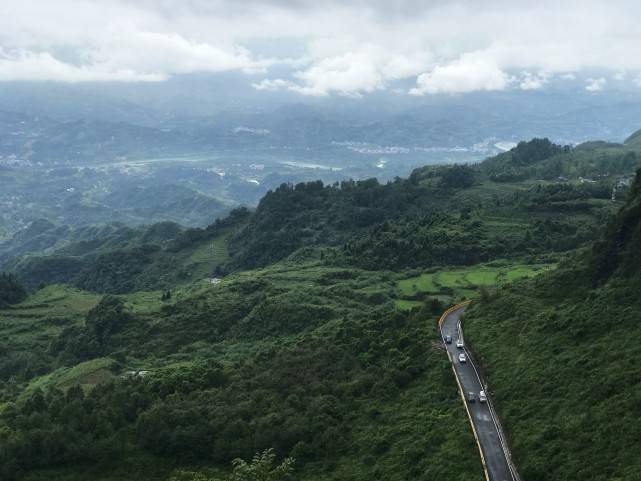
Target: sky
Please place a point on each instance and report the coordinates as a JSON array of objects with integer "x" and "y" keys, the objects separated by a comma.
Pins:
[{"x": 327, "y": 48}]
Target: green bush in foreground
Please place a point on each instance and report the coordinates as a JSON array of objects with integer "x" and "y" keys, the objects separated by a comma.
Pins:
[{"x": 260, "y": 468}]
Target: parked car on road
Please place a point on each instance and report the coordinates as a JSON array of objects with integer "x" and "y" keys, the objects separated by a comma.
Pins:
[
  {"x": 482, "y": 397},
  {"x": 459, "y": 343},
  {"x": 462, "y": 357},
  {"x": 448, "y": 339}
]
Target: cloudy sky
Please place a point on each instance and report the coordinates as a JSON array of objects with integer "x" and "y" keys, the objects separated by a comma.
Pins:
[{"x": 322, "y": 48}]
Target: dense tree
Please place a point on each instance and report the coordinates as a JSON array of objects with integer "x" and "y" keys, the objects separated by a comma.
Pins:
[
  {"x": 11, "y": 292},
  {"x": 107, "y": 318},
  {"x": 457, "y": 177},
  {"x": 620, "y": 248},
  {"x": 298, "y": 398}
]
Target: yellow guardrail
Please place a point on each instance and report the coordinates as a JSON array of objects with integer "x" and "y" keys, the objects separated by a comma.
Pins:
[
  {"x": 460, "y": 388},
  {"x": 450, "y": 310}
]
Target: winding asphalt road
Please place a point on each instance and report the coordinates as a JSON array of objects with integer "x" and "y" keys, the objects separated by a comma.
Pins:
[{"x": 487, "y": 429}]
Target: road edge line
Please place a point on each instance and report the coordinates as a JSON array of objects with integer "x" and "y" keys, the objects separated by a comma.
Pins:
[{"x": 460, "y": 388}]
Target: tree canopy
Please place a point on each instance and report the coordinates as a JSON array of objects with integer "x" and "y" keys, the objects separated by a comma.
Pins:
[{"x": 11, "y": 291}]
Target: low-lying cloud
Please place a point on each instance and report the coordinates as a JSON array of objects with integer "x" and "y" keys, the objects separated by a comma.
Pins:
[
  {"x": 467, "y": 74},
  {"x": 595, "y": 84},
  {"x": 347, "y": 48}
]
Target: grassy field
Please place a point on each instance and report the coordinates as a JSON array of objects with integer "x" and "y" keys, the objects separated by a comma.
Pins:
[
  {"x": 449, "y": 285},
  {"x": 58, "y": 300},
  {"x": 86, "y": 375},
  {"x": 208, "y": 255},
  {"x": 43, "y": 315}
]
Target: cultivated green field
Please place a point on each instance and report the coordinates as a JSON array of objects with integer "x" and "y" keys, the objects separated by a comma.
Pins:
[
  {"x": 43, "y": 315},
  {"x": 449, "y": 285}
]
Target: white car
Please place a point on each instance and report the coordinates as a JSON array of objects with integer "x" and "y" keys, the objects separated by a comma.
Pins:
[
  {"x": 482, "y": 397},
  {"x": 462, "y": 357},
  {"x": 459, "y": 343}
]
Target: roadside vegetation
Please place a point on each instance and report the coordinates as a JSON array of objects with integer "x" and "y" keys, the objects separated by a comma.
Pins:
[{"x": 560, "y": 352}]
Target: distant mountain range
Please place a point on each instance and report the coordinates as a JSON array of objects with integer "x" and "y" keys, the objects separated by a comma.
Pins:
[{"x": 70, "y": 124}]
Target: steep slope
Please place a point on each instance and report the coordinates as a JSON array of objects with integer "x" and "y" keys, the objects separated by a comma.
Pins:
[
  {"x": 634, "y": 140},
  {"x": 620, "y": 251},
  {"x": 118, "y": 259},
  {"x": 561, "y": 353}
]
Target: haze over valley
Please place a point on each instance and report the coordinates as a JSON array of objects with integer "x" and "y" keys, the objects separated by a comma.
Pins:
[{"x": 194, "y": 169}]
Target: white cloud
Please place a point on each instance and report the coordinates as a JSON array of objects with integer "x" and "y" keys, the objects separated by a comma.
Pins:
[
  {"x": 171, "y": 53},
  {"x": 530, "y": 81},
  {"x": 364, "y": 69},
  {"x": 42, "y": 66},
  {"x": 567, "y": 76},
  {"x": 595, "y": 84},
  {"x": 466, "y": 74},
  {"x": 111, "y": 42},
  {"x": 353, "y": 73},
  {"x": 272, "y": 85},
  {"x": 130, "y": 55},
  {"x": 347, "y": 47}
]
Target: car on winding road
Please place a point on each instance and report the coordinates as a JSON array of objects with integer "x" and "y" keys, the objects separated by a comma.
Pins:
[
  {"x": 448, "y": 339},
  {"x": 482, "y": 397},
  {"x": 459, "y": 343},
  {"x": 462, "y": 357}
]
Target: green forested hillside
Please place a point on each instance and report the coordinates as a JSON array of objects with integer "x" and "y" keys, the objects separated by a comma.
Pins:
[
  {"x": 120, "y": 259},
  {"x": 308, "y": 326},
  {"x": 561, "y": 352},
  {"x": 537, "y": 199},
  {"x": 509, "y": 206},
  {"x": 315, "y": 362},
  {"x": 43, "y": 237},
  {"x": 425, "y": 221},
  {"x": 541, "y": 159}
]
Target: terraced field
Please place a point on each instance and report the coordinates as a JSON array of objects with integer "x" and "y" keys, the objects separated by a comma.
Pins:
[{"x": 452, "y": 284}]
